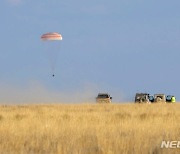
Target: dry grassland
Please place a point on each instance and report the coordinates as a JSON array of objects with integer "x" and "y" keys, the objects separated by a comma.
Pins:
[{"x": 88, "y": 129}]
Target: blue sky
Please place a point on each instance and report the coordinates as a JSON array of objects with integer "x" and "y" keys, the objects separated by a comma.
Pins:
[{"x": 119, "y": 46}]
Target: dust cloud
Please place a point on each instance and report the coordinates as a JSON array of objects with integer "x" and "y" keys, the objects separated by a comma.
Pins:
[{"x": 35, "y": 92}]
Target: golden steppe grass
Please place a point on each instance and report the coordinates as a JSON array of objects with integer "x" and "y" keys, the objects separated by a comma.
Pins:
[{"x": 88, "y": 128}]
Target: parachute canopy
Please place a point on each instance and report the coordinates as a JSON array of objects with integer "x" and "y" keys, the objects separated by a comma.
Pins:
[{"x": 51, "y": 37}]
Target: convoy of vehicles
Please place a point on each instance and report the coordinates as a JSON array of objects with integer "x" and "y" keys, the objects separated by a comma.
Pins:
[
  {"x": 139, "y": 98},
  {"x": 157, "y": 98}
]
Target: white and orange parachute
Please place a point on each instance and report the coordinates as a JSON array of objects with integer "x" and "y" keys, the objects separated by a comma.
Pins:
[{"x": 51, "y": 37}]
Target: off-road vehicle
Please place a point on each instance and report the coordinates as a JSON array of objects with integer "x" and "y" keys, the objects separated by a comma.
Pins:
[
  {"x": 159, "y": 98},
  {"x": 142, "y": 98},
  {"x": 103, "y": 98}
]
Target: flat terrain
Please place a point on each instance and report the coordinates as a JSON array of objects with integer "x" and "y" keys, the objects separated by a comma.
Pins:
[{"x": 88, "y": 128}]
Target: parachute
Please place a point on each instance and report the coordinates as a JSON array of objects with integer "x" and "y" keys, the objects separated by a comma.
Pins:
[
  {"x": 52, "y": 44},
  {"x": 51, "y": 37}
]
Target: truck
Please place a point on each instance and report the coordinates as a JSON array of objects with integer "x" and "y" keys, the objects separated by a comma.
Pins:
[
  {"x": 103, "y": 98},
  {"x": 159, "y": 98},
  {"x": 142, "y": 98}
]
